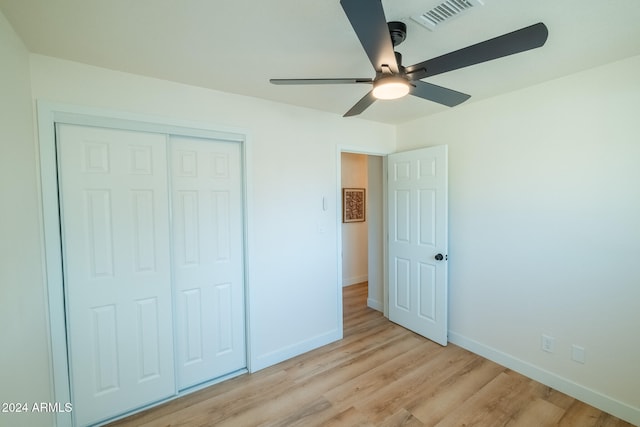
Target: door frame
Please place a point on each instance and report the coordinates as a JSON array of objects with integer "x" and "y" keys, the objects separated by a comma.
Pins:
[
  {"x": 385, "y": 282},
  {"x": 48, "y": 114}
]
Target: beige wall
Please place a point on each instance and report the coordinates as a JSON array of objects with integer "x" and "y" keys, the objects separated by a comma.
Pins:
[{"x": 355, "y": 234}]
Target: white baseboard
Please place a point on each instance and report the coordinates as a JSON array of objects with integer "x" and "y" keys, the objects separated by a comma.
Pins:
[
  {"x": 605, "y": 403},
  {"x": 348, "y": 281},
  {"x": 376, "y": 305},
  {"x": 280, "y": 355}
]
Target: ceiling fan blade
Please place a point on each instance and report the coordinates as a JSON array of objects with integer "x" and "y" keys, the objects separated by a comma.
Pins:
[
  {"x": 319, "y": 81},
  {"x": 515, "y": 42},
  {"x": 361, "y": 105},
  {"x": 438, "y": 94},
  {"x": 368, "y": 21}
]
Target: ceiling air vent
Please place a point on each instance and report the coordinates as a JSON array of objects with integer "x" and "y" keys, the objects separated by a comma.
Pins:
[{"x": 445, "y": 12}]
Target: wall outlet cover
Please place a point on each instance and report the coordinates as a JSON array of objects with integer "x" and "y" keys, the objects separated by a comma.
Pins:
[
  {"x": 577, "y": 354},
  {"x": 548, "y": 343}
]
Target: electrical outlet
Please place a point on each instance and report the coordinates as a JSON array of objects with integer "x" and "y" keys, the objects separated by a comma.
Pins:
[
  {"x": 548, "y": 343},
  {"x": 577, "y": 353}
]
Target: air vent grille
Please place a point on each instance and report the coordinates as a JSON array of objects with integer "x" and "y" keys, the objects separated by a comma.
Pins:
[{"x": 445, "y": 12}]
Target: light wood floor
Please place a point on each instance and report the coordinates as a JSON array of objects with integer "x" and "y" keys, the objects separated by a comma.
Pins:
[{"x": 379, "y": 375}]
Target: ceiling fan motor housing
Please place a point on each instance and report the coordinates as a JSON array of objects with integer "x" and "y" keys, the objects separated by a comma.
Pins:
[{"x": 398, "y": 31}]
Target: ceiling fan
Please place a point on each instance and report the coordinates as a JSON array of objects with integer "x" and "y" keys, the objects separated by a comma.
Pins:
[{"x": 393, "y": 80}]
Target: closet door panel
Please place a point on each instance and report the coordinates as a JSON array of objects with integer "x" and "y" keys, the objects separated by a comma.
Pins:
[
  {"x": 116, "y": 258},
  {"x": 208, "y": 258}
]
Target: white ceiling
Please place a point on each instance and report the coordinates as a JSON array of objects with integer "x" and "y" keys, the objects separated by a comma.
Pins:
[{"x": 238, "y": 45}]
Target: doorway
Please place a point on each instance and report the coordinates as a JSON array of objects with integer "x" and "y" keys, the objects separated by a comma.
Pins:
[
  {"x": 362, "y": 243},
  {"x": 414, "y": 218}
]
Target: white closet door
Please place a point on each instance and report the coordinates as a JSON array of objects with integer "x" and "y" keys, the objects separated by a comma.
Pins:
[
  {"x": 208, "y": 258},
  {"x": 114, "y": 212}
]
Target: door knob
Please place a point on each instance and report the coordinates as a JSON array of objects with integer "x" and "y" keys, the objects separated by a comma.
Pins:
[{"x": 439, "y": 257}]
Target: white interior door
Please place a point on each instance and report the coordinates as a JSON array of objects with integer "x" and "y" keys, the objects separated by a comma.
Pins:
[
  {"x": 417, "y": 202},
  {"x": 116, "y": 252},
  {"x": 208, "y": 258}
]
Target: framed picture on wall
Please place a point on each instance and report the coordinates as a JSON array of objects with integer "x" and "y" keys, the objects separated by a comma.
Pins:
[{"x": 353, "y": 204}]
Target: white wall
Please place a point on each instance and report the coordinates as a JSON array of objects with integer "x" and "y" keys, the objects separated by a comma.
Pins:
[
  {"x": 24, "y": 369},
  {"x": 355, "y": 265},
  {"x": 544, "y": 191},
  {"x": 292, "y": 268},
  {"x": 292, "y": 242},
  {"x": 544, "y": 232}
]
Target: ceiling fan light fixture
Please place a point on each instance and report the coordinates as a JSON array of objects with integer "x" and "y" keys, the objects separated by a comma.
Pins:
[{"x": 392, "y": 87}]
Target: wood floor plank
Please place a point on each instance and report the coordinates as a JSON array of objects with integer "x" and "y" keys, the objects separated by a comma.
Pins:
[
  {"x": 381, "y": 375},
  {"x": 226, "y": 403},
  {"x": 280, "y": 399},
  {"x": 348, "y": 417},
  {"x": 401, "y": 418},
  {"x": 350, "y": 348},
  {"x": 315, "y": 412},
  {"x": 400, "y": 393},
  {"x": 539, "y": 413},
  {"x": 493, "y": 405},
  {"x": 439, "y": 398},
  {"x": 581, "y": 414}
]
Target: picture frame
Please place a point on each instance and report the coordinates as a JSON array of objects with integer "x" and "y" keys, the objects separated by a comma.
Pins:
[{"x": 353, "y": 205}]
